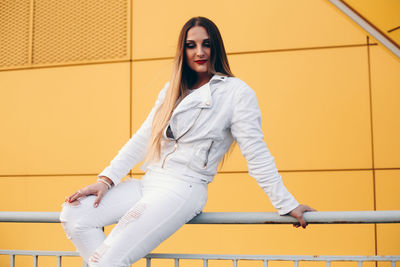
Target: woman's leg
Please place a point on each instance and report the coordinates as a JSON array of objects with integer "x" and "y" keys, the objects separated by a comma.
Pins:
[
  {"x": 83, "y": 222},
  {"x": 166, "y": 205}
]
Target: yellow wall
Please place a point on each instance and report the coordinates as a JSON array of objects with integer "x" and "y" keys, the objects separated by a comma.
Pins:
[
  {"x": 382, "y": 14},
  {"x": 329, "y": 99}
]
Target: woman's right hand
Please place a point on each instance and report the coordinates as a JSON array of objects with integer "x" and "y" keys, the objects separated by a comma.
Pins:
[
  {"x": 98, "y": 189},
  {"x": 298, "y": 214}
]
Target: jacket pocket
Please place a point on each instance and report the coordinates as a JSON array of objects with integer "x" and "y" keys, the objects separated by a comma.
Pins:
[
  {"x": 200, "y": 159},
  {"x": 208, "y": 154}
]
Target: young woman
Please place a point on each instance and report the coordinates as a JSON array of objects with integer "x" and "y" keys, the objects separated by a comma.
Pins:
[{"x": 199, "y": 113}]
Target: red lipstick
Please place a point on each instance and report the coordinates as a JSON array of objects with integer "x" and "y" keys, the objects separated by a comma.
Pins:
[{"x": 201, "y": 62}]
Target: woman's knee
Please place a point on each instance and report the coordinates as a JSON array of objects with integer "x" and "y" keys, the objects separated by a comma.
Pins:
[
  {"x": 70, "y": 211},
  {"x": 71, "y": 217}
]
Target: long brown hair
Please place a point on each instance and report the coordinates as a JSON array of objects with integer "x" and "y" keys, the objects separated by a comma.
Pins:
[{"x": 183, "y": 77}]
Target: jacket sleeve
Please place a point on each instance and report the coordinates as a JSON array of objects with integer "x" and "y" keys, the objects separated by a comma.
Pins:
[
  {"x": 247, "y": 132},
  {"x": 135, "y": 149}
]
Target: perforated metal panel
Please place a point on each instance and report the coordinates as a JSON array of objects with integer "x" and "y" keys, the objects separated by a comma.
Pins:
[
  {"x": 63, "y": 31},
  {"x": 14, "y": 33},
  {"x": 75, "y": 30}
]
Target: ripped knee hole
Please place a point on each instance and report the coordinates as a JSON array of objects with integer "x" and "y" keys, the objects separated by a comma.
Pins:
[{"x": 98, "y": 253}]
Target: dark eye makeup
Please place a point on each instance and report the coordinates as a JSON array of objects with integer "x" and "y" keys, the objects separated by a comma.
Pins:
[{"x": 189, "y": 45}]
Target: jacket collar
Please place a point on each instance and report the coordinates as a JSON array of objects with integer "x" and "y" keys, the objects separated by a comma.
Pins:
[
  {"x": 217, "y": 77},
  {"x": 201, "y": 98}
]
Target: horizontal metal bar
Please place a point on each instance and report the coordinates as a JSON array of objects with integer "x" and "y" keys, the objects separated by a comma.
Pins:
[
  {"x": 318, "y": 217},
  {"x": 206, "y": 257},
  {"x": 38, "y": 253},
  {"x": 29, "y": 217},
  {"x": 382, "y": 38},
  {"x": 273, "y": 257}
]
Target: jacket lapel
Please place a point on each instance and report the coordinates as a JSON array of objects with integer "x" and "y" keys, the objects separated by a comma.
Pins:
[{"x": 188, "y": 110}]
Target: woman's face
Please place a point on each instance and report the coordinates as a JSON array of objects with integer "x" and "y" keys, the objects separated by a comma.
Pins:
[{"x": 197, "y": 49}]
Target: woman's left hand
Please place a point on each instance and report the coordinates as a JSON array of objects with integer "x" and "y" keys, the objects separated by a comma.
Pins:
[{"x": 298, "y": 214}]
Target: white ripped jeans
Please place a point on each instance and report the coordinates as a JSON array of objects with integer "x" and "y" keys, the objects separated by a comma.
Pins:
[{"x": 146, "y": 211}]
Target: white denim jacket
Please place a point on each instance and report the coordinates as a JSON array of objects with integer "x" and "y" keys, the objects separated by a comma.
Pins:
[{"x": 204, "y": 125}]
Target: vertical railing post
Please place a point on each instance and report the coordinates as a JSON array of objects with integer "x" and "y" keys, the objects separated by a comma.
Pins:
[
  {"x": 205, "y": 263},
  {"x": 234, "y": 263},
  {"x": 148, "y": 262},
  {"x": 360, "y": 264},
  {"x": 35, "y": 260},
  {"x": 265, "y": 263},
  {"x": 12, "y": 260},
  {"x": 176, "y": 262},
  {"x": 58, "y": 261},
  {"x": 328, "y": 264},
  {"x": 296, "y": 263}
]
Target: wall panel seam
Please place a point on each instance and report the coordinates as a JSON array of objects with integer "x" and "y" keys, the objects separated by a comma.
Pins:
[
  {"x": 130, "y": 72},
  {"x": 372, "y": 142},
  {"x": 170, "y": 57},
  {"x": 220, "y": 172},
  {"x": 30, "y": 32}
]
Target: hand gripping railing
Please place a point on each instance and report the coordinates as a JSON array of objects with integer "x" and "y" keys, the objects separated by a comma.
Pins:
[{"x": 331, "y": 217}]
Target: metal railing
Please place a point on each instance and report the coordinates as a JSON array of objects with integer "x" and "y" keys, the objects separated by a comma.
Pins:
[
  {"x": 336, "y": 217},
  {"x": 317, "y": 217},
  {"x": 266, "y": 258},
  {"x": 205, "y": 258}
]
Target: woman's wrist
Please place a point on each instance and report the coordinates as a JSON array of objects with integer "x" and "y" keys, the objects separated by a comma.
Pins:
[{"x": 105, "y": 180}]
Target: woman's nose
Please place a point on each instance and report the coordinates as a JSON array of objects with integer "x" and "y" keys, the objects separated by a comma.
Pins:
[{"x": 200, "y": 52}]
